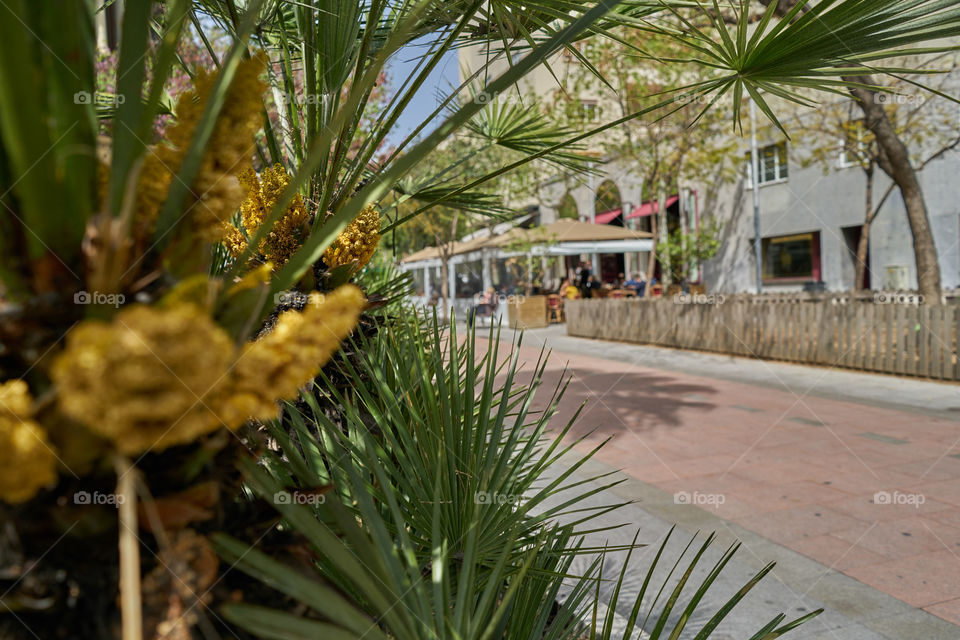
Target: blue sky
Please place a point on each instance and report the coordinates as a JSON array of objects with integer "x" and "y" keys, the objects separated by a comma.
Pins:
[{"x": 440, "y": 81}]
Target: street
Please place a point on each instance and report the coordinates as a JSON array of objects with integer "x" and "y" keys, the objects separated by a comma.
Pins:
[{"x": 855, "y": 472}]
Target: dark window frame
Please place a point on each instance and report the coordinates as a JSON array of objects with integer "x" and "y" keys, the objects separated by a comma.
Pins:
[{"x": 815, "y": 272}]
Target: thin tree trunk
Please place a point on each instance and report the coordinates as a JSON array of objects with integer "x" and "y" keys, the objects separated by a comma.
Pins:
[
  {"x": 666, "y": 277},
  {"x": 652, "y": 259},
  {"x": 863, "y": 244},
  {"x": 445, "y": 283},
  {"x": 685, "y": 263},
  {"x": 445, "y": 256},
  {"x": 895, "y": 162}
]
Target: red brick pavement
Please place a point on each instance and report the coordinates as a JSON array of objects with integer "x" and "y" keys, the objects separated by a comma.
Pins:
[{"x": 806, "y": 472}]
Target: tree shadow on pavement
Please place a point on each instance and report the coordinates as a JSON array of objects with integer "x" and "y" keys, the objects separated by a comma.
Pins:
[{"x": 620, "y": 402}]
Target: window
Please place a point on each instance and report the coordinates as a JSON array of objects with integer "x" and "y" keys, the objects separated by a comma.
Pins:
[
  {"x": 792, "y": 258},
  {"x": 854, "y": 146},
  {"x": 589, "y": 111},
  {"x": 773, "y": 164}
]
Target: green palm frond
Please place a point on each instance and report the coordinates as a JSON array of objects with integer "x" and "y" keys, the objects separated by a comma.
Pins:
[
  {"x": 48, "y": 131},
  {"x": 413, "y": 538},
  {"x": 526, "y": 130},
  {"x": 813, "y": 50},
  {"x": 429, "y": 193},
  {"x": 405, "y": 163}
]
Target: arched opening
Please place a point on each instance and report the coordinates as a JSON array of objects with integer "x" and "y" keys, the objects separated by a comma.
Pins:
[
  {"x": 608, "y": 206},
  {"x": 607, "y": 200},
  {"x": 568, "y": 208}
]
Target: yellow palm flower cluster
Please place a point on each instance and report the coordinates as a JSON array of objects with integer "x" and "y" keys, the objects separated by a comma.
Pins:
[
  {"x": 158, "y": 376},
  {"x": 278, "y": 364},
  {"x": 217, "y": 194},
  {"x": 357, "y": 242},
  {"x": 263, "y": 192},
  {"x": 27, "y": 462},
  {"x": 146, "y": 379}
]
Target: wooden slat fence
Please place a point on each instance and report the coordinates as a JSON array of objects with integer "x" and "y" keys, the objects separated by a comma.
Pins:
[{"x": 868, "y": 334}]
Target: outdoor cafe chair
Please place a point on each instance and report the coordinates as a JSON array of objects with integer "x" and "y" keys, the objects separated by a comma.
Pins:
[{"x": 554, "y": 308}]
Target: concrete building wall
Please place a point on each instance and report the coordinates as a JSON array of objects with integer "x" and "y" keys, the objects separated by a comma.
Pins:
[{"x": 810, "y": 200}]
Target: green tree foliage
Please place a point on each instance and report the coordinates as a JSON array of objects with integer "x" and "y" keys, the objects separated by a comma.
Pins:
[{"x": 684, "y": 251}]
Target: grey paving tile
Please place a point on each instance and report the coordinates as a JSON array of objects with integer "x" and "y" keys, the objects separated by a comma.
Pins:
[
  {"x": 914, "y": 624},
  {"x": 851, "y": 597}
]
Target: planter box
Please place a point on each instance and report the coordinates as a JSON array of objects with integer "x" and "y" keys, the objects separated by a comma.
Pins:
[{"x": 529, "y": 312}]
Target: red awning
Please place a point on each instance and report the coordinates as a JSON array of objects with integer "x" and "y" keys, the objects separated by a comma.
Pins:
[
  {"x": 607, "y": 217},
  {"x": 650, "y": 207}
]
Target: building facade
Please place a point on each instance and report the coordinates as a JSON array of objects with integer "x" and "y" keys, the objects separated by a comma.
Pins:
[{"x": 811, "y": 213}]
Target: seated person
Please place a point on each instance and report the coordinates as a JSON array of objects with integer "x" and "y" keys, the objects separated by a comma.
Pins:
[
  {"x": 637, "y": 283},
  {"x": 487, "y": 305},
  {"x": 590, "y": 289},
  {"x": 568, "y": 291}
]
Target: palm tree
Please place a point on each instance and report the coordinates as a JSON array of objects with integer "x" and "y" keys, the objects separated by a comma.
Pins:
[{"x": 157, "y": 291}]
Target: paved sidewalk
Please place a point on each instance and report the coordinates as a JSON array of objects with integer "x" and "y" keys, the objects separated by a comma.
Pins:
[
  {"x": 796, "y": 586},
  {"x": 858, "y": 472}
]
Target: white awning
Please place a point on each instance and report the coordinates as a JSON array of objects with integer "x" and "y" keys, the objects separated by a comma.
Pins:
[
  {"x": 598, "y": 246},
  {"x": 561, "y": 238},
  {"x": 556, "y": 249}
]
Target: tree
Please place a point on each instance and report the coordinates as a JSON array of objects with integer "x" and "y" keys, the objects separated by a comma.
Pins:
[
  {"x": 833, "y": 133},
  {"x": 440, "y": 227},
  {"x": 684, "y": 251},
  {"x": 682, "y": 142},
  {"x": 893, "y": 158},
  {"x": 499, "y": 135}
]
